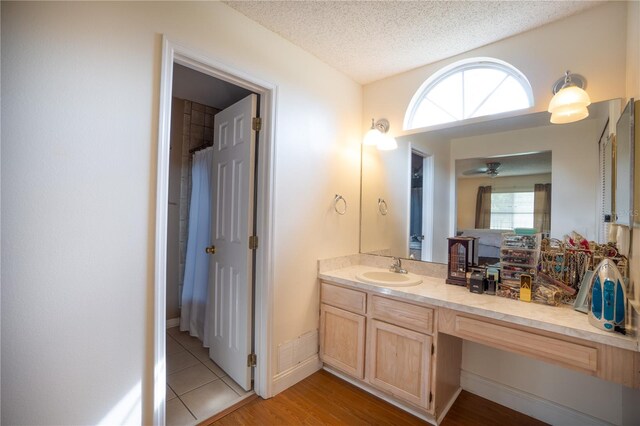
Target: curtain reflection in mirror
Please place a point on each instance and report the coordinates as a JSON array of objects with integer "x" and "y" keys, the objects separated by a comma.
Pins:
[
  {"x": 483, "y": 207},
  {"x": 542, "y": 207}
]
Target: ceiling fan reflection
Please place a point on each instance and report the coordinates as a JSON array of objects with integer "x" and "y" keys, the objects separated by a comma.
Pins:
[{"x": 491, "y": 170}]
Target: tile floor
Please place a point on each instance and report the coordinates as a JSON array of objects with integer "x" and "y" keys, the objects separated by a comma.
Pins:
[{"x": 196, "y": 387}]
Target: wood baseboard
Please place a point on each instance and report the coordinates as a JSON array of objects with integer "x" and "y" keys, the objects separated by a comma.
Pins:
[
  {"x": 526, "y": 403},
  {"x": 295, "y": 374}
]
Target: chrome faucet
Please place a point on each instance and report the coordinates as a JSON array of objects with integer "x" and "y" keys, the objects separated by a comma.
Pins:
[{"x": 396, "y": 266}]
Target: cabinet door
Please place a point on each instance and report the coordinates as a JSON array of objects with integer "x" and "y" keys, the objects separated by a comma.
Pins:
[
  {"x": 342, "y": 340},
  {"x": 399, "y": 362}
]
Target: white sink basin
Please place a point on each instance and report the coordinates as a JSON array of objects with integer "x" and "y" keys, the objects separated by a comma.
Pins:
[{"x": 389, "y": 279}]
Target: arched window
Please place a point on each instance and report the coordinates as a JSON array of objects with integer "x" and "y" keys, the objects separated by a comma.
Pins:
[{"x": 467, "y": 89}]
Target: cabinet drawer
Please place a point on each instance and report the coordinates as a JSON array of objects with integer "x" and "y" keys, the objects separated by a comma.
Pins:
[
  {"x": 351, "y": 300},
  {"x": 561, "y": 352},
  {"x": 404, "y": 314}
]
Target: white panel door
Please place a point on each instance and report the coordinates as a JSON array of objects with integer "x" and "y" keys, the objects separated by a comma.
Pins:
[{"x": 230, "y": 268}]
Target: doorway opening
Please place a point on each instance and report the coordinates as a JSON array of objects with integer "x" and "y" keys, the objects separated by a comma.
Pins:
[
  {"x": 421, "y": 206},
  {"x": 212, "y": 302},
  {"x": 198, "y": 383}
]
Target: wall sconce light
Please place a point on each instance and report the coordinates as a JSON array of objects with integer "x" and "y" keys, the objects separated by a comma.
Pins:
[
  {"x": 570, "y": 101},
  {"x": 379, "y": 135}
]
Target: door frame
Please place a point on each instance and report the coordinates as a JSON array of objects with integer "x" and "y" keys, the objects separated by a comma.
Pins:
[
  {"x": 173, "y": 52},
  {"x": 428, "y": 185},
  {"x": 428, "y": 190}
]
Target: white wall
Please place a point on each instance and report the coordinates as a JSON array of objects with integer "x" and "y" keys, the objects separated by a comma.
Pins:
[
  {"x": 586, "y": 394},
  {"x": 594, "y": 44},
  {"x": 80, "y": 89},
  {"x": 633, "y": 50}
]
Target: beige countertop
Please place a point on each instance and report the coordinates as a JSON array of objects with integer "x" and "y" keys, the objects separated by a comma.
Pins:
[{"x": 434, "y": 291}]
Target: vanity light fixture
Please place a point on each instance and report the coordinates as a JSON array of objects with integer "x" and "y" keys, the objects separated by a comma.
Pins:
[
  {"x": 379, "y": 135},
  {"x": 373, "y": 135},
  {"x": 570, "y": 101}
]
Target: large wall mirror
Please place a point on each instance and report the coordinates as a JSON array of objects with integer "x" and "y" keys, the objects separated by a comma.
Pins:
[
  {"x": 624, "y": 153},
  {"x": 534, "y": 174}
]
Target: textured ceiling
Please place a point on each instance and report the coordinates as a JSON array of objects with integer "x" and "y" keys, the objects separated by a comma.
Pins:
[{"x": 371, "y": 40}]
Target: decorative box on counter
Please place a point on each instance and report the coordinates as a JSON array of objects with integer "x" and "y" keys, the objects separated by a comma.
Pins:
[
  {"x": 463, "y": 254},
  {"x": 493, "y": 278},
  {"x": 478, "y": 280},
  {"x": 518, "y": 257}
]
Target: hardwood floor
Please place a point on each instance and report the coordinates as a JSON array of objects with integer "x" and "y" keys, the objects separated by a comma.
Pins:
[
  {"x": 470, "y": 409},
  {"x": 323, "y": 399}
]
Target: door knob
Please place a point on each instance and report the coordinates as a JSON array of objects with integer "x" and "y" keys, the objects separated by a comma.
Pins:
[{"x": 210, "y": 250}]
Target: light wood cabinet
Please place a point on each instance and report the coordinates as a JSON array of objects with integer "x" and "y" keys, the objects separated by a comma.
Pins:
[
  {"x": 351, "y": 300},
  {"x": 561, "y": 352},
  {"x": 408, "y": 315},
  {"x": 410, "y": 352},
  {"x": 399, "y": 362},
  {"x": 396, "y": 348},
  {"x": 607, "y": 362},
  {"x": 342, "y": 337}
]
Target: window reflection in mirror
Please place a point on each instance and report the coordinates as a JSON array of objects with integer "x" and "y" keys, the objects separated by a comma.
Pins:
[{"x": 499, "y": 194}]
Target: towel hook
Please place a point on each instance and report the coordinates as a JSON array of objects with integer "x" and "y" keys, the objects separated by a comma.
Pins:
[
  {"x": 336, "y": 204},
  {"x": 382, "y": 207}
]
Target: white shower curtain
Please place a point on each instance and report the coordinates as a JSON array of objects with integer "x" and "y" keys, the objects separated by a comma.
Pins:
[{"x": 196, "y": 272}]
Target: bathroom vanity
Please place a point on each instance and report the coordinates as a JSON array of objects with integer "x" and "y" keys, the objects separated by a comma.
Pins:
[{"x": 404, "y": 344}]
